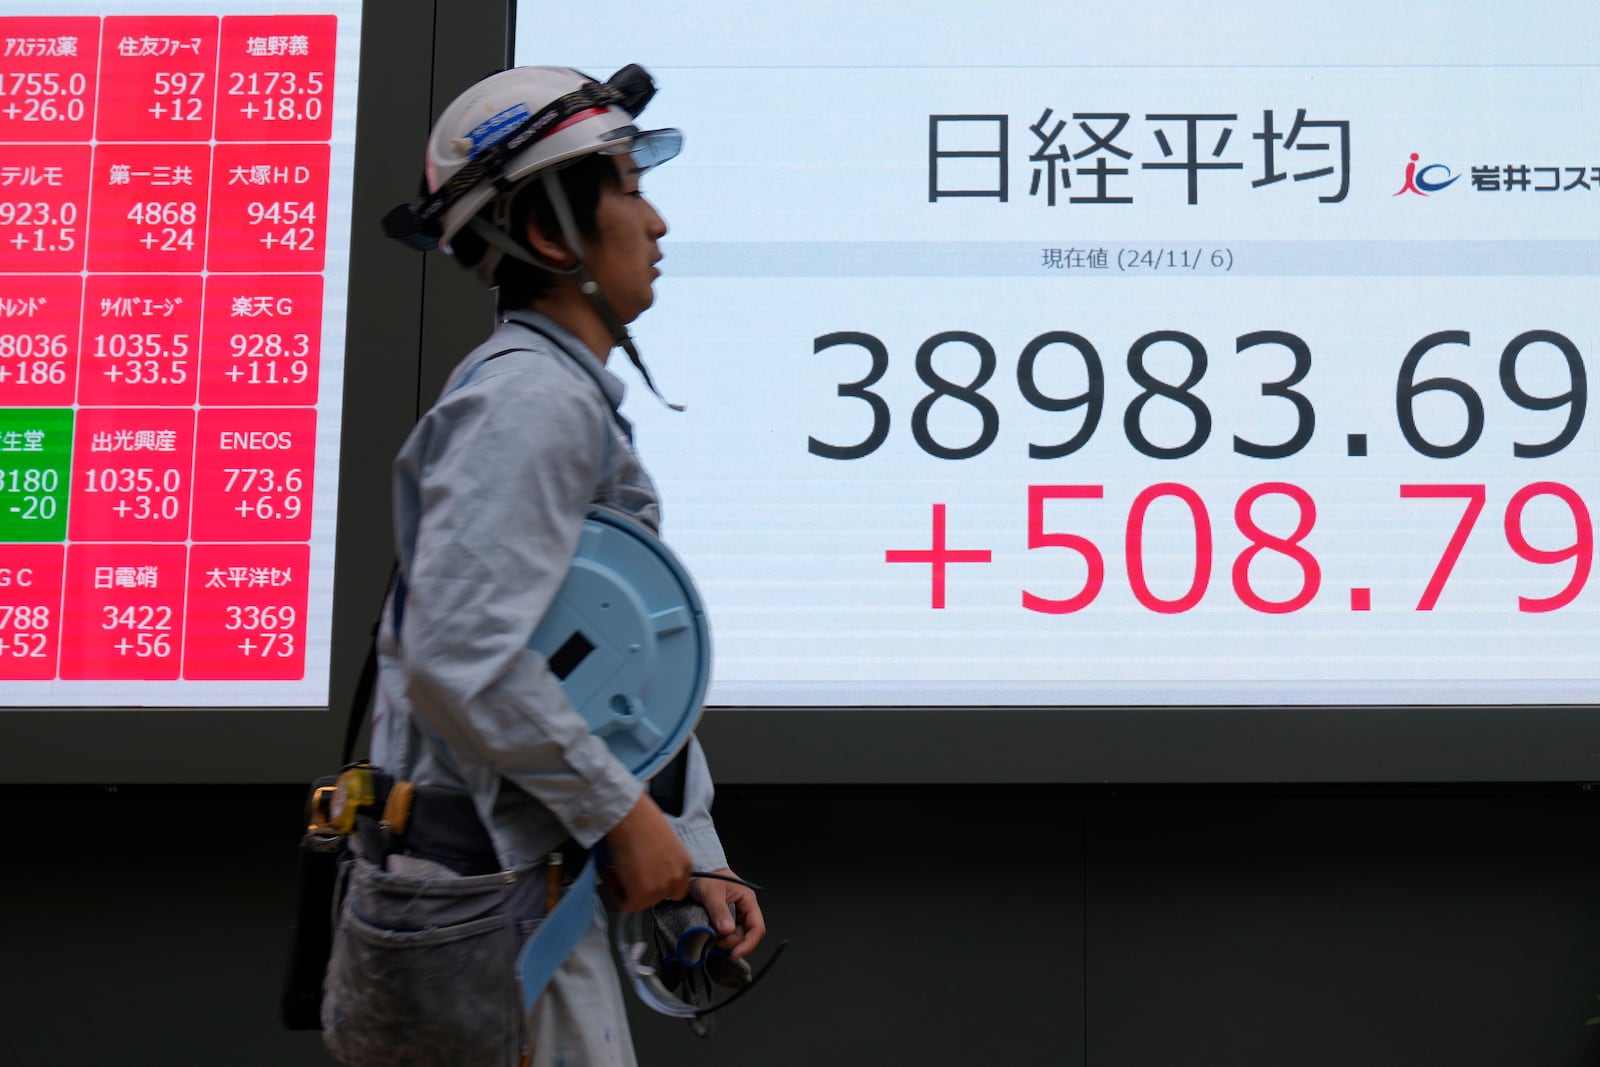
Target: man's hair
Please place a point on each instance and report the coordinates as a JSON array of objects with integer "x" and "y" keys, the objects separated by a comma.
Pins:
[{"x": 520, "y": 284}]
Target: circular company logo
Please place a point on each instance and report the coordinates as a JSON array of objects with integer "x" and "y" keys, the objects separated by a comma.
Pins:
[{"x": 1428, "y": 179}]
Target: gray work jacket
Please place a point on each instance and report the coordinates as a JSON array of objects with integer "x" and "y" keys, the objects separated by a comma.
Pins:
[{"x": 490, "y": 493}]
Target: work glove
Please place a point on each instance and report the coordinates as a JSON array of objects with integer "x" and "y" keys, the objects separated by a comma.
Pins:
[{"x": 688, "y": 962}]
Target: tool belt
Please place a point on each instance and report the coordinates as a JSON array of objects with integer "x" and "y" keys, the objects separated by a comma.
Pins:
[{"x": 391, "y": 817}]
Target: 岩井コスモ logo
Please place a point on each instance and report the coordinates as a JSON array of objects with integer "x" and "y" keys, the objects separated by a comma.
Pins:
[{"x": 1425, "y": 180}]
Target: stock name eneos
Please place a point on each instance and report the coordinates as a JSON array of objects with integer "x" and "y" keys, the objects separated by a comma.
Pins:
[{"x": 256, "y": 440}]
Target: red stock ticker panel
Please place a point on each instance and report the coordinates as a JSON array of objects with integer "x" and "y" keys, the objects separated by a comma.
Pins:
[{"x": 164, "y": 186}]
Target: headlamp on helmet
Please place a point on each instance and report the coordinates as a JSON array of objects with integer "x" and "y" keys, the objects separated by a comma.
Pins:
[
  {"x": 511, "y": 127},
  {"x": 515, "y": 124}
]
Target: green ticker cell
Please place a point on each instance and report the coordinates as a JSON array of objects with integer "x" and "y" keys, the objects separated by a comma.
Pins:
[{"x": 35, "y": 473}]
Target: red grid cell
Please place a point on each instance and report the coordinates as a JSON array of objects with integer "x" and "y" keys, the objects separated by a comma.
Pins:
[
  {"x": 39, "y": 339},
  {"x": 269, "y": 208},
  {"x": 131, "y": 474},
  {"x": 141, "y": 340},
  {"x": 149, "y": 207},
  {"x": 253, "y": 474},
  {"x": 30, "y": 611},
  {"x": 247, "y": 612},
  {"x": 122, "y": 615},
  {"x": 165, "y": 71},
  {"x": 44, "y": 196},
  {"x": 275, "y": 78},
  {"x": 47, "y": 78},
  {"x": 263, "y": 339}
]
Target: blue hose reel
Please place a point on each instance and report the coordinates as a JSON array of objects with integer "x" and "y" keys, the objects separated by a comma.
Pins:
[{"x": 627, "y": 639}]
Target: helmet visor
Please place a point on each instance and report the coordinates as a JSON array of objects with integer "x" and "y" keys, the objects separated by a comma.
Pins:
[{"x": 648, "y": 148}]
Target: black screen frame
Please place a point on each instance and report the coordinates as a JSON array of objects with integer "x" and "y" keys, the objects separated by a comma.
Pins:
[{"x": 411, "y": 317}]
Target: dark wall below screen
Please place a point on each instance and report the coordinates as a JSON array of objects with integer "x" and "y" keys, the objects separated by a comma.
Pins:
[{"x": 1126, "y": 928}]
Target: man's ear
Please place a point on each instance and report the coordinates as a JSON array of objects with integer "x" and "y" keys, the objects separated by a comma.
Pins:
[{"x": 550, "y": 247}]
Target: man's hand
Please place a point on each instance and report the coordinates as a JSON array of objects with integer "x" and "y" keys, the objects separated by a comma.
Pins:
[
  {"x": 648, "y": 862},
  {"x": 735, "y": 915}
]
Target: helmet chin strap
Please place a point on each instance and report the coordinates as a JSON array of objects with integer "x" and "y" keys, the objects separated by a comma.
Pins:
[
  {"x": 591, "y": 288},
  {"x": 501, "y": 243}
]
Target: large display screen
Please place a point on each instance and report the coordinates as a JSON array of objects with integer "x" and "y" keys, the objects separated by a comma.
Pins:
[
  {"x": 175, "y": 185},
  {"x": 1149, "y": 353}
]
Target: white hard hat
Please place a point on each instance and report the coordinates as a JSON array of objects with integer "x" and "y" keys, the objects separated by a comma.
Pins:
[{"x": 515, "y": 124}]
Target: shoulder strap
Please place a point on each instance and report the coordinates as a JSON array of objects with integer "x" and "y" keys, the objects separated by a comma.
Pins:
[{"x": 361, "y": 702}]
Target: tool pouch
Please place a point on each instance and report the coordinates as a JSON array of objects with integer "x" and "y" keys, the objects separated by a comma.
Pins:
[{"x": 423, "y": 965}]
